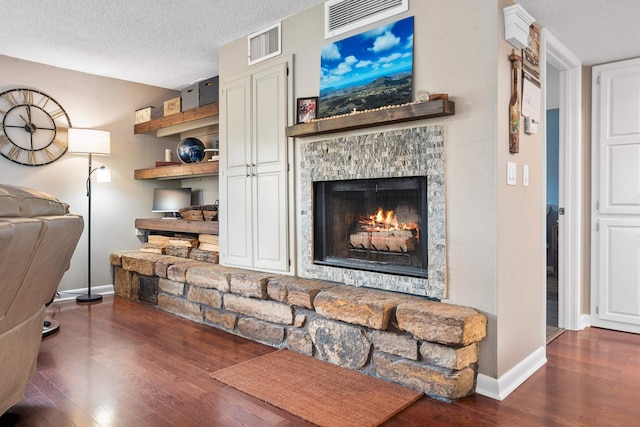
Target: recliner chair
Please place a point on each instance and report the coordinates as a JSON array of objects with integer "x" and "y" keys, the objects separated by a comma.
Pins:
[{"x": 37, "y": 239}]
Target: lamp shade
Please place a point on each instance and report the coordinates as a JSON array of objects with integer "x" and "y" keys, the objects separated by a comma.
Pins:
[{"x": 89, "y": 141}]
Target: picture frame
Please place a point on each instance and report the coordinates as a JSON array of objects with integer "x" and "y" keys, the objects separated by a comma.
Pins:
[
  {"x": 368, "y": 70},
  {"x": 307, "y": 109}
]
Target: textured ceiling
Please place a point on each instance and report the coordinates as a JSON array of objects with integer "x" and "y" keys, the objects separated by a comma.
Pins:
[
  {"x": 171, "y": 43},
  {"x": 166, "y": 43},
  {"x": 597, "y": 31}
]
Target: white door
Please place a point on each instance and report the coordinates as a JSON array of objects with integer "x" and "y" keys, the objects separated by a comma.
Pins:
[
  {"x": 615, "y": 294},
  {"x": 235, "y": 183},
  {"x": 270, "y": 237}
]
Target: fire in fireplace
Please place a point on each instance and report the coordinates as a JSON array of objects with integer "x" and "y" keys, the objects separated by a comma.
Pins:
[{"x": 372, "y": 224}]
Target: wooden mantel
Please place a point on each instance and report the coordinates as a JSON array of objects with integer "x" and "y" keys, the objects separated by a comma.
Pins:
[{"x": 405, "y": 113}]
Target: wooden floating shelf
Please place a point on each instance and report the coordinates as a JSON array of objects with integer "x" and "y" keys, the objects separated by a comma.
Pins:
[
  {"x": 206, "y": 111},
  {"x": 178, "y": 225},
  {"x": 185, "y": 170},
  {"x": 405, "y": 113}
]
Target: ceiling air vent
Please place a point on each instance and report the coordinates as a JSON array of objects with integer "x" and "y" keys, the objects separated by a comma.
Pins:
[
  {"x": 264, "y": 44},
  {"x": 341, "y": 16}
]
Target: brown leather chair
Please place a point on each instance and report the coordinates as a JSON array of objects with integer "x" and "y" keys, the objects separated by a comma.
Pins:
[{"x": 37, "y": 239}]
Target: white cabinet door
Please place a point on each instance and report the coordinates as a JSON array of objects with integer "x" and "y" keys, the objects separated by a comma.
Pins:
[
  {"x": 235, "y": 182},
  {"x": 270, "y": 237},
  {"x": 253, "y": 170},
  {"x": 616, "y": 197}
]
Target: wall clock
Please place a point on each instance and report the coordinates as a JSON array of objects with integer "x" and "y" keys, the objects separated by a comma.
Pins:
[{"x": 33, "y": 127}]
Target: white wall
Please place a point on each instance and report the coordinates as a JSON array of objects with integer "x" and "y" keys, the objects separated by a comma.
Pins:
[
  {"x": 494, "y": 232},
  {"x": 102, "y": 103}
]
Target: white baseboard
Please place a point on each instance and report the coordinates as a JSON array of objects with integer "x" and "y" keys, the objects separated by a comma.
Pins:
[
  {"x": 71, "y": 294},
  {"x": 584, "y": 321},
  {"x": 502, "y": 387}
]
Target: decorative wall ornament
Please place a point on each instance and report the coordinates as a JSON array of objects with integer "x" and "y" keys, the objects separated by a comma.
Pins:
[
  {"x": 33, "y": 127},
  {"x": 368, "y": 70},
  {"x": 514, "y": 104}
]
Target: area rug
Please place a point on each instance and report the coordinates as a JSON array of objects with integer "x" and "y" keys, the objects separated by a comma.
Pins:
[{"x": 317, "y": 391}]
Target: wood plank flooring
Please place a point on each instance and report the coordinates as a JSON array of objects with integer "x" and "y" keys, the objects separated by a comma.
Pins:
[{"x": 121, "y": 363}]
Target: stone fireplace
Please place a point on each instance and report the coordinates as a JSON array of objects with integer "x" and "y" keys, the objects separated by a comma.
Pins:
[{"x": 352, "y": 188}]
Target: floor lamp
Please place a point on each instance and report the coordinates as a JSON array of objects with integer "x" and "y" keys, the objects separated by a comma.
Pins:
[{"x": 91, "y": 142}]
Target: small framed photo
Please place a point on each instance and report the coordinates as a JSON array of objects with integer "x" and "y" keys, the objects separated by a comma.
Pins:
[{"x": 307, "y": 109}]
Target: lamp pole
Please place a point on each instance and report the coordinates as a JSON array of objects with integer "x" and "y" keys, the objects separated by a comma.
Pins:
[
  {"x": 89, "y": 141},
  {"x": 88, "y": 297}
]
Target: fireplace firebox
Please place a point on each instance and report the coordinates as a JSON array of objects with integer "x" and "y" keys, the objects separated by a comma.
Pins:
[{"x": 372, "y": 224}]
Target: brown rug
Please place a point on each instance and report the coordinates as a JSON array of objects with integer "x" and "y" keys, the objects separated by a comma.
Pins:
[{"x": 317, "y": 391}]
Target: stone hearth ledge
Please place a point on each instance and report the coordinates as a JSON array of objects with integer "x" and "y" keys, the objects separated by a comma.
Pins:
[{"x": 424, "y": 345}]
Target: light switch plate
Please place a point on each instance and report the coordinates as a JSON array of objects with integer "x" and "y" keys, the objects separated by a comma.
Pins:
[
  {"x": 525, "y": 175},
  {"x": 512, "y": 172}
]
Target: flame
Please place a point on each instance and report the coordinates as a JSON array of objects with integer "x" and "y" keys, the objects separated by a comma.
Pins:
[{"x": 382, "y": 221}]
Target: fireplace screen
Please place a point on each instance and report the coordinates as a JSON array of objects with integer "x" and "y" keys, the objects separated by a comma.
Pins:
[{"x": 372, "y": 224}]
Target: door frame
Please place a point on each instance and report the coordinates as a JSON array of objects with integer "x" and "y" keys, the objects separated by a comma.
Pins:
[{"x": 570, "y": 192}]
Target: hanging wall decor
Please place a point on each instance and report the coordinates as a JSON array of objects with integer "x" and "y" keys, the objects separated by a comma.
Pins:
[
  {"x": 366, "y": 71},
  {"x": 514, "y": 104}
]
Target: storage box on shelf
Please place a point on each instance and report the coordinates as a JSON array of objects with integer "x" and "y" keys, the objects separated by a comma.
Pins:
[
  {"x": 209, "y": 91},
  {"x": 190, "y": 97},
  {"x": 146, "y": 114}
]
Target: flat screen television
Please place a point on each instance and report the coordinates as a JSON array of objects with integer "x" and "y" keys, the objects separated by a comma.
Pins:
[{"x": 171, "y": 200}]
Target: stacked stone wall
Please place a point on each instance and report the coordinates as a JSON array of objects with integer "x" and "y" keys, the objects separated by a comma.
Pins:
[{"x": 425, "y": 345}]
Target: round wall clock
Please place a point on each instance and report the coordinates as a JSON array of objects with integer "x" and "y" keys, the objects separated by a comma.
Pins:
[{"x": 33, "y": 127}]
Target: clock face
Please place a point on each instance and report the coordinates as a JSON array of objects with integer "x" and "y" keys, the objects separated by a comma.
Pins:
[{"x": 33, "y": 127}]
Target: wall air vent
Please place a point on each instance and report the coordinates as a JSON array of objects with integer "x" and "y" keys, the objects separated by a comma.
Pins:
[
  {"x": 148, "y": 289},
  {"x": 264, "y": 44},
  {"x": 341, "y": 16}
]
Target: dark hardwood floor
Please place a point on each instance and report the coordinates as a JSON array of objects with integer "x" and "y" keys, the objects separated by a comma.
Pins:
[{"x": 121, "y": 363}]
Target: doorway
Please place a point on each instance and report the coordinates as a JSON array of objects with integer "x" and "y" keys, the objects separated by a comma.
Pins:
[
  {"x": 556, "y": 57},
  {"x": 552, "y": 89}
]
